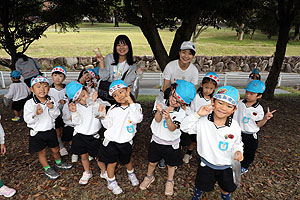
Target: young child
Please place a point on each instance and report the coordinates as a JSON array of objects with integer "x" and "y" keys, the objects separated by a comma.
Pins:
[
  {"x": 58, "y": 93},
  {"x": 254, "y": 75},
  {"x": 250, "y": 116},
  {"x": 86, "y": 139},
  {"x": 166, "y": 132},
  {"x": 40, "y": 113},
  {"x": 4, "y": 190},
  {"x": 18, "y": 92},
  {"x": 205, "y": 92},
  {"x": 120, "y": 123},
  {"x": 218, "y": 139}
]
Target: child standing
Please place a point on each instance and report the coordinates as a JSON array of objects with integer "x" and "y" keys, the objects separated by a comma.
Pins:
[
  {"x": 254, "y": 75},
  {"x": 250, "y": 116},
  {"x": 86, "y": 139},
  {"x": 58, "y": 93},
  {"x": 18, "y": 92},
  {"x": 40, "y": 113},
  {"x": 165, "y": 127},
  {"x": 120, "y": 123},
  {"x": 218, "y": 138},
  {"x": 205, "y": 92},
  {"x": 4, "y": 190}
]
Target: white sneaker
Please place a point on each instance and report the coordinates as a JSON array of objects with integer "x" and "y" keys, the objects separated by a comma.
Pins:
[
  {"x": 187, "y": 158},
  {"x": 114, "y": 187},
  {"x": 90, "y": 158},
  {"x": 104, "y": 175},
  {"x": 74, "y": 158},
  {"x": 63, "y": 151},
  {"x": 85, "y": 178},
  {"x": 6, "y": 191},
  {"x": 134, "y": 181}
]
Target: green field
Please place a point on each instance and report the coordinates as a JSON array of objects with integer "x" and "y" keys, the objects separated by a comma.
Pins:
[{"x": 211, "y": 42}]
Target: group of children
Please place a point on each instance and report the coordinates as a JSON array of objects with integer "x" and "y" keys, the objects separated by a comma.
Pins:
[{"x": 219, "y": 124}]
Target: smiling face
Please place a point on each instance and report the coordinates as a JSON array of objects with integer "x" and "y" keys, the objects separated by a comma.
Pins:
[
  {"x": 208, "y": 89},
  {"x": 58, "y": 78},
  {"x": 86, "y": 77},
  {"x": 174, "y": 101},
  {"x": 223, "y": 109},
  {"x": 185, "y": 56},
  {"x": 84, "y": 95},
  {"x": 122, "y": 48},
  {"x": 120, "y": 96},
  {"x": 40, "y": 90}
]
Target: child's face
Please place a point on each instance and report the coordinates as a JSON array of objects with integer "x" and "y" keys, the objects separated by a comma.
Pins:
[
  {"x": 120, "y": 95},
  {"x": 84, "y": 95},
  {"x": 86, "y": 77},
  {"x": 208, "y": 88},
  {"x": 174, "y": 101},
  {"x": 185, "y": 56},
  {"x": 40, "y": 89},
  {"x": 255, "y": 77},
  {"x": 58, "y": 78},
  {"x": 252, "y": 97},
  {"x": 122, "y": 49},
  {"x": 223, "y": 109}
]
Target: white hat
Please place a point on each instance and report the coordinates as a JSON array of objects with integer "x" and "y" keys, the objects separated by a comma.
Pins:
[{"x": 188, "y": 45}]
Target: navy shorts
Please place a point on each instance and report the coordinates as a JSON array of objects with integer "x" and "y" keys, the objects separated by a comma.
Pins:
[
  {"x": 115, "y": 152},
  {"x": 18, "y": 105},
  {"x": 59, "y": 123},
  {"x": 42, "y": 140},
  {"x": 156, "y": 152},
  {"x": 67, "y": 134},
  {"x": 82, "y": 144}
]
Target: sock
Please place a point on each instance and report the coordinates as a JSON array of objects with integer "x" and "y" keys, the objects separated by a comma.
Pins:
[
  {"x": 61, "y": 144},
  {"x": 189, "y": 152},
  {"x": 47, "y": 167},
  {"x": 130, "y": 172},
  {"x": 58, "y": 161},
  {"x": 225, "y": 196},
  {"x": 110, "y": 180},
  {"x": 197, "y": 194},
  {"x": 1, "y": 183}
]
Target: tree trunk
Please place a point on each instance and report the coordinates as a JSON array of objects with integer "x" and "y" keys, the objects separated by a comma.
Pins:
[
  {"x": 240, "y": 33},
  {"x": 116, "y": 18},
  {"x": 252, "y": 34},
  {"x": 297, "y": 33}
]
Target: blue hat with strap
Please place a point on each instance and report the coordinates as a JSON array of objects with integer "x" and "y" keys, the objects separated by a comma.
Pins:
[
  {"x": 256, "y": 86},
  {"x": 15, "y": 74},
  {"x": 96, "y": 70},
  {"x": 228, "y": 94},
  {"x": 38, "y": 79},
  {"x": 255, "y": 71},
  {"x": 73, "y": 90},
  {"x": 213, "y": 76},
  {"x": 185, "y": 91},
  {"x": 59, "y": 69},
  {"x": 116, "y": 85}
]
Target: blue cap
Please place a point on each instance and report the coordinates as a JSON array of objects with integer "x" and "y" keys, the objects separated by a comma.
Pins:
[
  {"x": 96, "y": 70},
  {"x": 255, "y": 71},
  {"x": 228, "y": 94},
  {"x": 185, "y": 91},
  {"x": 38, "y": 79},
  {"x": 15, "y": 74},
  {"x": 213, "y": 76},
  {"x": 73, "y": 90},
  {"x": 256, "y": 86},
  {"x": 59, "y": 69},
  {"x": 92, "y": 72},
  {"x": 115, "y": 85}
]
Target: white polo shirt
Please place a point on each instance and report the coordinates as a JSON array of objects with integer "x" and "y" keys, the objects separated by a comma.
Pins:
[
  {"x": 57, "y": 94},
  {"x": 199, "y": 101}
]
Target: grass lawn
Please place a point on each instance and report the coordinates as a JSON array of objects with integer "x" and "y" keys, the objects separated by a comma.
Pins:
[{"x": 211, "y": 42}]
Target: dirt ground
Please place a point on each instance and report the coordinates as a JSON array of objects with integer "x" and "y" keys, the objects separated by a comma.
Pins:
[{"x": 275, "y": 173}]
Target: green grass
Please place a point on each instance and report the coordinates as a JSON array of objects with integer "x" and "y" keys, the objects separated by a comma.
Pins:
[
  {"x": 147, "y": 98},
  {"x": 211, "y": 42}
]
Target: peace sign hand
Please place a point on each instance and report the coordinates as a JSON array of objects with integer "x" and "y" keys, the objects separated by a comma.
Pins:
[
  {"x": 99, "y": 57},
  {"x": 269, "y": 114},
  {"x": 205, "y": 110}
]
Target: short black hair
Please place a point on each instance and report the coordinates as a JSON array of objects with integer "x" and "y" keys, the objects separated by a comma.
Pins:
[{"x": 57, "y": 72}]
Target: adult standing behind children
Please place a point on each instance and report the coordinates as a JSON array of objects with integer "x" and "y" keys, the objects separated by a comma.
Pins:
[{"x": 28, "y": 67}]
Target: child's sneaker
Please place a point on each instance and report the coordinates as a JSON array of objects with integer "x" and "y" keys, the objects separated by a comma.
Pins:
[
  {"x": 74, "y": 158},
  {"x": 161, "y": 164},
  {"x": 134, "y": 181},
  {"x": 104, "y": 175},
  {"x": 6, "y": 191},
  {"x": 114, "y": 187},
  {"x": 146, "y": 182},
  {"x": 85, "y": 178},
  {"x": 16, "y": 119},
  {"x": 169, "y": 189},
  {"x": 63, "y": 165},
  {"x": 63, "y": 151},
  {"x": 51, "y": 173},
  {"x": 243, "y": 170},
  {"x": 187, "y": 158}
]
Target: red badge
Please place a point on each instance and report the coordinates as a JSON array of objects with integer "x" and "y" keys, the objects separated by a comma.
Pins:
[
  {"x": 254, "y": 113},
  {"x": 231, "y": 136}
]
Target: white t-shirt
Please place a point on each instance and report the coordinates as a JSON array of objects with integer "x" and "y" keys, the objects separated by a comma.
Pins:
[
  {"x": 18, "y": 91},
  {"x": 199, "y": 101},
  {"x": 173, "y": 72}
]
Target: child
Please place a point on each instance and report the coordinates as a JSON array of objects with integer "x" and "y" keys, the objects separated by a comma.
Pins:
[
  {"x": 40, "y": 113},
  {"x": 18, "y": 92},
  {"x": 218, "y": 138},
  {"x": 166, "y": 132},
  {"x": 250, "y": 116},
  {"x": 58, "y": 93},
  {"x": 205, "y": 92},
  {"x": 120, "y": 123},
  {"x": 86, "y": 139},
  {"x": 4, "y": 190},
  {"x": 254, "y": 75}
]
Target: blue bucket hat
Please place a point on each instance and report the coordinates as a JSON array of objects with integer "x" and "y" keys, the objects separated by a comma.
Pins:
[
  {"x": 15, "y": 74},
  {"x": 115, "y": 85},
  {"x": 92, "y": 72},
  {"x": 73, "y": 90},
  {"x": 185, "y": 91},
  {"x": 256, "y": 86},
  {"x": 228, "y": 94},
  {"x": 255, "y": 71},
  {"x": 38, "y": 79},
  {"x": 59, "y": 69},
  {"x": 213, "y": 76},
  {"x": 96, "y": 70}
]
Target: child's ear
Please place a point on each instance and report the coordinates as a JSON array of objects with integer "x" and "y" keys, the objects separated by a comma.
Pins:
[
  {"x": 259, "y": 96},
  {"x": 31, "y": 89},
  {"x": 128, "y": 90}
]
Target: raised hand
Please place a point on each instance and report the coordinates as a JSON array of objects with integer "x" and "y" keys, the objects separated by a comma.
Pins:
[
  {"x": 205, "y": 110},
  {"x": 128, "y": 98},
  {"x": 269, "y": 114},
  {"x": 39, "y": 109},
  {"x": 166, "y": 114},
  {"x": 159, "y": 108},
  {"x": 72, "y": 107},
  {"x": 102, "y": 109},
  {"x": 99, "y": 57},
  {"x": 239, "y": 156},
  {"x": 49, "y": 104},
  {"x": 95, "y": 95}
]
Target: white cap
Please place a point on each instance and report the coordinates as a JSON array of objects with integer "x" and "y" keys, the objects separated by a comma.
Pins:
[{"x": 188, "y": 45}]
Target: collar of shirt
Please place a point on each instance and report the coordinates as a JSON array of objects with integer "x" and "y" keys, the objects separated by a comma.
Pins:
[
  {"x": 228, "y": 122},
  {"x": 253, "y": 105},
  {"x": 36, "y": 100}
]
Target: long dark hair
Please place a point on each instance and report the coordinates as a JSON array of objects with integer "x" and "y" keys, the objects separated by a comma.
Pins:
[
  {"x": 207, "y": 80},
  {"x": 81, "y": 74},
  {"x": 129, "y": 56},
  {"x": 21, "y": 55}
]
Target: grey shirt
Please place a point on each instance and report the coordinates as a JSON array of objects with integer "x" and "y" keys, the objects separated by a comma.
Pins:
[{"x": 28, "y": 68}]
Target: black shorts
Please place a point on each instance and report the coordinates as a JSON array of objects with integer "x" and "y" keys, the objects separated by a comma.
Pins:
[
  {"x": 59, "y": 123},
  {"x": 115, "y": 152},
  {"x": 156, "y": 152},
  {"x": 207, "y": 177},
  {"x": 42, "y": 140},
  {"x": 82, "y": 144},
  {"x": 185, "y": 139},
  {"x": 18, "y": 105},
  {"x": 67, "y": 134}
]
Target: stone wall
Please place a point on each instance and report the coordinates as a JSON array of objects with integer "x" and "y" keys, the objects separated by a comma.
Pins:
[{"x": 204, "y": 64}]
